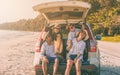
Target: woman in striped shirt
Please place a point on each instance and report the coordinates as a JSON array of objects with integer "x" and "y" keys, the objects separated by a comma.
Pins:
[
  {"x": 75, "y": 55},
  {"x": 48, "y": 55}
]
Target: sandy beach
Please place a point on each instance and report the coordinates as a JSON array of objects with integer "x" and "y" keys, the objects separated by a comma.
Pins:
[{"x": 17, "y": 54}]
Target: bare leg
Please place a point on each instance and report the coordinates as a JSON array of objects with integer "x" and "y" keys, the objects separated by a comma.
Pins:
[
  {"x": 78, "y": 67},
  {"x": 55, "y": 66},
  {"x": 68, "y": 68},
  {"x": 44, "y": 67}
]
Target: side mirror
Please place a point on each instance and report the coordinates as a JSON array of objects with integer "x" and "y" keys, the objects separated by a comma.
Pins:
[{"x": 98, "y": 37}]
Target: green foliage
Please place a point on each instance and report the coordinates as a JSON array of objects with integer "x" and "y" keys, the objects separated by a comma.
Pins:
[
  {"x": 101, "y": 17},
  {"x": 26, "y": 25},
  {"x": 104, "y": 17},
  {"x": 111, "y": 38}
]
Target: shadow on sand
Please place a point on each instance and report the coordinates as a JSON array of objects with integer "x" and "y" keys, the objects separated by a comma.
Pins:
[{"x": 110, "y": 70}]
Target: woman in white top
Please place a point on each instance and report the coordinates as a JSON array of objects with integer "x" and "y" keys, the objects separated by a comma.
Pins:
[
  {"x": 48, "y": 55},
  {"x": 75, "y": 55},
  {"x": 71, "y": 34}
]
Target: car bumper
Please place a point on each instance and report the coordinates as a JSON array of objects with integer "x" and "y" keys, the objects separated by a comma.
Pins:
[{"x": 86, "y": 69}]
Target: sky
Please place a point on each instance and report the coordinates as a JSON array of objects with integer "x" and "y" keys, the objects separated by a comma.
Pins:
[{"x": 14, "y": 10}]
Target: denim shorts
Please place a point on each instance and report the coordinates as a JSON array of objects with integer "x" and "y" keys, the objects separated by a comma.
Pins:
[
  {"x": 72, "y": 57},
  {"x": 52, "y": 59}
]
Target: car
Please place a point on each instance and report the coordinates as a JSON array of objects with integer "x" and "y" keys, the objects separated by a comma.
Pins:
[
  {"x": 64, "y": 13},
  {"x": 98, "y": 37}
]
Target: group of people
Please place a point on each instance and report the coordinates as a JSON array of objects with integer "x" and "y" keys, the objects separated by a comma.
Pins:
[{"x": 51, "y": 50}]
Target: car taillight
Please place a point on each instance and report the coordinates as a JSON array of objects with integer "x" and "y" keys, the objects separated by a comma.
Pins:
[
  {"x": 38, "y": 66},
  {"x": 90, "y": 67},
  {"x": 37, "y": 49},
  {"x": 93, "y": 49}
]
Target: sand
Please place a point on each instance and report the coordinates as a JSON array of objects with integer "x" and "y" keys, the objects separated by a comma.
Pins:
[{"x": 17, "y": 54}]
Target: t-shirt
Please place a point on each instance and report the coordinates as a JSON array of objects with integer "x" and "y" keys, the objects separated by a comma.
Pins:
[
  {"x": 47, "y": 50},
  {"x": 77, "y": 47},
  {"x": 71, "y": 36}
]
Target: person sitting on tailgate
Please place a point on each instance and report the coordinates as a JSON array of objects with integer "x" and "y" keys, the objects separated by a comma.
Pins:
[
  {"x": 47, "y": 55},
  {"x": 58, "y": 43},
  {"x": 75, "y": 53}
]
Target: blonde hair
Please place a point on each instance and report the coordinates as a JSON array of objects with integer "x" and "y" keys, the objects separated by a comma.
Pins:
[{"x": 82, "y": 31}]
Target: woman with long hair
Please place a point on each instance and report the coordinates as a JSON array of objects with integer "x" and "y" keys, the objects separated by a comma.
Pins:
[{"x": 75, "y": 54}]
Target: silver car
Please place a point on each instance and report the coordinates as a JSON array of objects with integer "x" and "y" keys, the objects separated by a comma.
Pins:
[{"x": 64, "y": 13}]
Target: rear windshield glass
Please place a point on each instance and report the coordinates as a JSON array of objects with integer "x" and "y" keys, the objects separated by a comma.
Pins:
[{"x": 64, "y": 15}]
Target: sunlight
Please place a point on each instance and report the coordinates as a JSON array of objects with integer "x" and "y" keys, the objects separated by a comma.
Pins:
[{"x": 13, "y": 10}]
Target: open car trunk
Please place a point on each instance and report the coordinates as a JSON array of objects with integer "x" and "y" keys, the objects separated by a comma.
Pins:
[
  {"x": 70, "y": 11},
  {"x": 64, "y": 13}
]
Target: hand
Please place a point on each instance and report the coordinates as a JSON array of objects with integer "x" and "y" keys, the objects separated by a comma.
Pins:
[
  {"x": 75, "y": 60},
  {"x": 45, "y": 59}
]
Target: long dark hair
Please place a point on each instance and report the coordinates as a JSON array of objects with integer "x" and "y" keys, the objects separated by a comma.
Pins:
[
  {"x": 82, "y": 31},
  {"x": 55, "y": 36}
]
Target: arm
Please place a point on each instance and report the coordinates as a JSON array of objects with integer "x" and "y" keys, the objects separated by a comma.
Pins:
[
  {"x": 82, "y": 48},
  {"x": 59, "y": 40},
  {"x": 69, "y": 45},
  {"x": 43, "y": 51}
]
